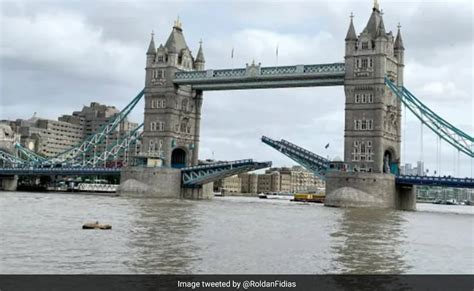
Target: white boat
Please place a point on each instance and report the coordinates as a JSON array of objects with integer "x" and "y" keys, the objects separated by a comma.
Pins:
[
  {"x": 97, "y": 188},
  {"x": 451, "y": 202},
  {"x": 275, "y": 195}
]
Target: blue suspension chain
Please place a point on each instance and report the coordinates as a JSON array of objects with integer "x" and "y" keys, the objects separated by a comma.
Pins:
[
  {"x": 421, "y": 142},
  {"x": 405, "y": 113},
  {"x": 437, "y": 154},
  {"x": 458, "y": 174},
  {"x": 440, "y": 154},
  {"x": 454, "y": 162}
]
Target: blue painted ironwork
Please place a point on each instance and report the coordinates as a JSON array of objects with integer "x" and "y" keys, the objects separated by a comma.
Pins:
[
  {"x": 311, "y": 161},
  {"x": 202, "y": 174},
  {"x": 29, "y": 155},
  {"x": 11, "y": 160},
  {"x": 114, "y": 150},
  {"x": 445, "y": 130},
  {"x": 435, "y": 181},
  {"x": 79, "y": 171},
  {"x": 319, "y": 166},
  {"x": 255, "y": 77},
  {"x": 76, "y": 155}
]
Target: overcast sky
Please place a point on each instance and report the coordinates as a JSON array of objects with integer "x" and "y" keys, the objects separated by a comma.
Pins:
[{"x": 57, "y": 56}]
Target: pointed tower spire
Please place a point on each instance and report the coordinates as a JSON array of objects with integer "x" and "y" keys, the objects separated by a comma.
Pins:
[
  {"x": 398, "y": 41},
  {"x": 381, "y": 31},
  {"x": 176, "y": 42},
  {"x": 351, "y": 34},
  {"x": 177, "y": 23},
  {"x": 376, "y": 5},
  {"x": 200, "y": 61},
  {"x": 374, "y": 21},
  {"x": 151, "y": 48},
  {"x": 200, "y": 54}
]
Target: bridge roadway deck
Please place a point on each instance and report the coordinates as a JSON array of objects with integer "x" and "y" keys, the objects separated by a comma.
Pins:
[
  {"x": 76, "y": 171},
  {"x": 256, "y": 77},
  {"x": 202, "y": 174},
  {"x": 435, "y": 181},
  {"x": 207, "y": 173},
  {"x": 191, "y": 176}
]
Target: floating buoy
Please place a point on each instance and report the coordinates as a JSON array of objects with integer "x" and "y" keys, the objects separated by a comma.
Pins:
[{"x": 96, "y": 225}]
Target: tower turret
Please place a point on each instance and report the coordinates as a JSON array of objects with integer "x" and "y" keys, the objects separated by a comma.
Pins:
[
  {"x": 381, "y": 31},
  {"x": 399, "y": 52},
  {"x": 200, "y": 61},
  {"x": 351, "y": 38},
  {"x": 381, "y": 38},
  {"x": 150, "y": 53},
  {"x": 398, "y": 46}
]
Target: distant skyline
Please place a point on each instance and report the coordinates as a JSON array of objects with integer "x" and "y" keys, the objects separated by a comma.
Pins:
[{"x": 56, "y": 56}]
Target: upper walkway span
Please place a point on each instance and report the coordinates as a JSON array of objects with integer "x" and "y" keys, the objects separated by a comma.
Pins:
[{"x": 256, "y": 77}]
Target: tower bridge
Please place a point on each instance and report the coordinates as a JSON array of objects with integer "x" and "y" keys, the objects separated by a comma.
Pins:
[{"x": 373, "y": 78}]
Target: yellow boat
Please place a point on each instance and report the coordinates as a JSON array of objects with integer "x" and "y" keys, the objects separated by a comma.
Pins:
[{"x": 308, "y": 197}]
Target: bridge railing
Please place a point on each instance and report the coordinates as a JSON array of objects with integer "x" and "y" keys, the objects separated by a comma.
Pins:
[
  {"x": 218, "y": 164},
  {"x": 311, "y": 161},
  {"x": 323, "y": 162},
  {"x": 228, "y": 73},
  {"x": 315, "y": 157},
  {"x": 269, "y": 71},
  {"x": 202, "y": 174}
]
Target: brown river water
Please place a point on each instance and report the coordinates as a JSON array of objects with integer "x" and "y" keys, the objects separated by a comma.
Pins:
[{"x": 41, "y": 233}]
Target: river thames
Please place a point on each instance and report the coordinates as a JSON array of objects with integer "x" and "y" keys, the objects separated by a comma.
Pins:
[{"x": 41, "y": 233}]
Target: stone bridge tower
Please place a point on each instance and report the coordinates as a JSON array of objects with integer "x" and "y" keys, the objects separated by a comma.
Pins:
[
  {"x": 172, "y": 113},
  {"x": 372, "y": 134}
]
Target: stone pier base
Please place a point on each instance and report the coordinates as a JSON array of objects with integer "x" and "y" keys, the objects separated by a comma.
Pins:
[
  {"x": 8, "y": 183},
  {"x": 406, "y": 197},
  {"x": 150, "y": 182},
  {"x": 202, "y": 192},
  {"x": 356, "y": 189},
  {"x": 159, "y": 183}
]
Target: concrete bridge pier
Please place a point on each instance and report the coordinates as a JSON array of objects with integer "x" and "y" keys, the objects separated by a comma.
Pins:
[
  {"x": 150, "y": 182},
  {"x": 406, "y": 197},
  {"x": 372, "y": 190},
  {"x": 8, "y": 183},
  {"x": 199, "y": 192},
  {"x": 159, "y": 182}
]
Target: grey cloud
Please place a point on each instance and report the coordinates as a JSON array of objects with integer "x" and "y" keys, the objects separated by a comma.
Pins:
[{"x": 96, "y": 52}]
